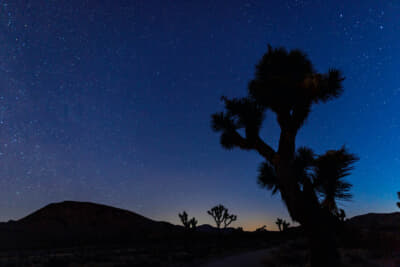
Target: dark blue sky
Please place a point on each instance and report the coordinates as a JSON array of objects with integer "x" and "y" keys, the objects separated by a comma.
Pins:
[{"x": 110, "y": 101}]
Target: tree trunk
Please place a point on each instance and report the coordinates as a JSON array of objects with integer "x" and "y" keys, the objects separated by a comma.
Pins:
[
  {"x": 322, "y": 229},
  {"x": 304, "y": 207},
  {"x": 319, "y": 225},
  {"x": 323, "y": 249}
]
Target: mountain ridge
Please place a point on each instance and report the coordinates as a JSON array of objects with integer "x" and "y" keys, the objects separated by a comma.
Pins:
[{"x": 74, "y": 223}]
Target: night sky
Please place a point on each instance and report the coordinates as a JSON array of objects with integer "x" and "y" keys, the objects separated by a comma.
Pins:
[{"x": 110, "y": 102}]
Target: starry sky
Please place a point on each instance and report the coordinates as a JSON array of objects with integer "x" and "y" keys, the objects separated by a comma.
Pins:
[{"x": 110, "y": 101}]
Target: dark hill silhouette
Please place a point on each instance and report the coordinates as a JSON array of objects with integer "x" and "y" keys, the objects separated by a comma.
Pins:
[
  {"x": 71, "y": 214},
  {"x": 72, "y": 223},
  {"x": 377, "y": 221},
  {"x": 374, "y": 231}
]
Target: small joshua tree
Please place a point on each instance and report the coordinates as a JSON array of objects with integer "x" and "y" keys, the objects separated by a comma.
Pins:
[
  {"x": 217, "y": 214},
  {"x": 285, "y": 225},
  {"x": 184, "y": 219},
  {"x": 279, "y": 222},
  {"x": 188, "y": 224},
  {"x": 193, "y": 223},
  {"x": 221, "y": 215}
]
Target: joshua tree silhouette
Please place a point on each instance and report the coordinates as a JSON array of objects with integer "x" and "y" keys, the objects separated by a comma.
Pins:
[
  {"x": 279, "y": 222},
  {"x": 188, "y": 224},
  {"x": 193, "y": 223},
  {"x": 217, "y": 214},
  {"x": 285, "y": 225},
  {"x": 282, "y": 224},
  {"x": 287, "y": 84},
  {"x": 221, "y": 215},
  {"x": 228, "y": 219}
]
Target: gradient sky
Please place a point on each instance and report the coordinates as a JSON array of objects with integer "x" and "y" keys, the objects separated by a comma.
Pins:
[{"x": 110, "y": 101}]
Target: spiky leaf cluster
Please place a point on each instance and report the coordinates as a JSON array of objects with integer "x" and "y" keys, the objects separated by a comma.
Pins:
[
  {"x": 330, "y": 169},
  {"x": 325, "y": 173},
  {"x": 286, "y": 83},
  {"x": 267, "y": 177},
  {"x": 241, "y": 113}
]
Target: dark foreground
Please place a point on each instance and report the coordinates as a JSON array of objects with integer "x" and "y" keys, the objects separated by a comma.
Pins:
[
  {"x": 196, "y": 250},
  {"x": 247, "y": 251},
  {"x": 88, "y": 234}
]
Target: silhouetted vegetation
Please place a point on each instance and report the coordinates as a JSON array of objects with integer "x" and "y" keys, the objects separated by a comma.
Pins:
[
  {"x": 287, "y": 84},
  {"x": 330, "y": 169},
  {"x": 282, "y": 224},
  {"x": 229, "y": 219},
  {"x": 279, "y": 222},
  {"x": 184, "y": 219},
  {"x": 217, "y": 214},
  {"x": 193, "y": 223},
  {"x": 285, "y": 225},
  {"x": 221, "y": 215},
  {"x": 188, "y": 224}
]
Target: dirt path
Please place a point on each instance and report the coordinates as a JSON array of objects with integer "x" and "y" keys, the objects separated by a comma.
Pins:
[{"x": 248, "y": 259}]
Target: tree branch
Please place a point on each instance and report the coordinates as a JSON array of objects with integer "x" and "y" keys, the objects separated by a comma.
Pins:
[
  {"x": 259, "y": 145},
  {"x": 264, "y": 150}
]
